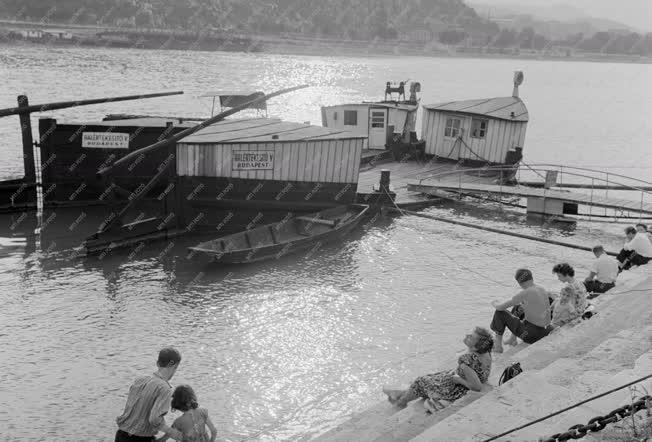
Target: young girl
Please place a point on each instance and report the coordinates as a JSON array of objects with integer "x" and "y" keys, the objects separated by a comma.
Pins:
[{"x": 192, "y": 424}]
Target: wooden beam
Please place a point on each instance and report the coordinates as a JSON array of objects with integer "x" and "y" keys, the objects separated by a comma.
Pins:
[
  {"x": 25, "y": 110},
  {"x": 328, "y": 222},
  {"x": 28, "y": 142}
]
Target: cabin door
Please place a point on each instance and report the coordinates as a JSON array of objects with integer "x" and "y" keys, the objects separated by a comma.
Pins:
[
  {"x": 377, "y": 128},
  {"x": 452, "y": 145}
]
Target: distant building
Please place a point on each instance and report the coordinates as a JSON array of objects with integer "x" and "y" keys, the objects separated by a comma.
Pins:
[
  {"x": 31, "y": 33},
  {"x": 58, "y": 34},
  {"x": 417, "y": 35}
]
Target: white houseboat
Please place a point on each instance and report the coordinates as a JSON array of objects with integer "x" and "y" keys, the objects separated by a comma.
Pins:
[
  {"x": 479, "y": 132},
  {"x": 380, "y": 122}
]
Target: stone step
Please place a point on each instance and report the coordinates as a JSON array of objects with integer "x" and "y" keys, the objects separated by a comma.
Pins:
[
  {"x": 359, "y": 423},
  {"x": 615, "y": 313},
  {"x": 607, "y": 358},
  {"x": 608, "y": 403},
  {"x": 511, "y": 405},
  {"x": 406, "y": 425},
  {"x": 559, "y": 371},
  {"x": 571, "y": 364}
]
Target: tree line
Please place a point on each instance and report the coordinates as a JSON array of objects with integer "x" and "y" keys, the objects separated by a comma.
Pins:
[{"x": 448, "y": 22}]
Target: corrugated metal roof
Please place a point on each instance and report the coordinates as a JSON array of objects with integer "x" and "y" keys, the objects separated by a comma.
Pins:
[
  {"x": 500, "y": 107},
  {"x": 261, "y": 130}
]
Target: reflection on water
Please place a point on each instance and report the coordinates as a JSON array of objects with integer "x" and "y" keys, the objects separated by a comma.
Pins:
[
  {"x": 276, "y": 350},
  {"x": 285, "y": 349}
]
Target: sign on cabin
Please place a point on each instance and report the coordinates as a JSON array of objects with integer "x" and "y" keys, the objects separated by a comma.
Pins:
[
  {"x": 105, "y": 140},
  {"x": 253, "y": 160}
]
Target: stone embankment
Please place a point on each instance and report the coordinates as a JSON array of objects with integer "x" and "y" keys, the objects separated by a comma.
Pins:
[{"x": 572, "y": 364}]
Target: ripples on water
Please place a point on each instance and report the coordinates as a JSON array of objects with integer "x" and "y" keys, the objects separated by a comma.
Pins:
[{"x": 282, "y": 350}]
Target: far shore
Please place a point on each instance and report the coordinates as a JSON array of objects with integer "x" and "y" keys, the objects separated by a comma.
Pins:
[
  {"x": 321, "y": 50},
  {"x": 300, "y": 46}
]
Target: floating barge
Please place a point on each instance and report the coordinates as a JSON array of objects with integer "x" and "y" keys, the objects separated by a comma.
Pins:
[{"x": 258, "y": 170}]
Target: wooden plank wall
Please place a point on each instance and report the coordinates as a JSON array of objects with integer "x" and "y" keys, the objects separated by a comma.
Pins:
[
  {"x": 362, "y": 128},
  {"x": 325, "y": 161},
  {"x": 501, "y": 136},
  {"x": 69, "y": 170}
]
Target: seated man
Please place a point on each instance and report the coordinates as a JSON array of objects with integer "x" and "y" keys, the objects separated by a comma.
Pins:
[
  {"x": 603, "y": 272},
  {"x": 642, "y": 228},
  {"x": 636, "y": 251},
  {"x": 536, "y": 309}
]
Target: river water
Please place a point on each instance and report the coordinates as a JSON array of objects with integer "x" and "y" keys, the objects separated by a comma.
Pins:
[{"x": 287, "y": 349}]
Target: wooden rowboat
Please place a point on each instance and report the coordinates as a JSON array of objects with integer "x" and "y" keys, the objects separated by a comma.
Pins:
[{"x": 278, "y": 239}]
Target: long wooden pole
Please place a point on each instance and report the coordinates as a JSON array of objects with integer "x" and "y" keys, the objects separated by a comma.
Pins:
[
  {"x": 65, "y": 104},
  {"x": 504, "y": 232},
  {"x": 192, "y": 130}
]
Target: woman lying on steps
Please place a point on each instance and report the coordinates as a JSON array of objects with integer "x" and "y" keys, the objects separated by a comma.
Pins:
[{"x": 472, "y": 371}]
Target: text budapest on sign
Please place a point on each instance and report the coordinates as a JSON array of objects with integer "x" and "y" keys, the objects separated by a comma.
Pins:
[
  {"x": 105, "y": 140},
  {"x": 253, "y": 160}
]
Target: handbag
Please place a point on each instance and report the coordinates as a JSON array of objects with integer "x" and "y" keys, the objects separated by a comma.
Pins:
[{"x": 510, "y": 372}]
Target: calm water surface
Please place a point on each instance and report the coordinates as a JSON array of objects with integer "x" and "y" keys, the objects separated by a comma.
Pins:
[{"x": 286, "y": 349}]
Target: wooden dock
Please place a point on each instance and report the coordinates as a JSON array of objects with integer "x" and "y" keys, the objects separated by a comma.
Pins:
[
  {"x": 406, "y": 172},
  {"x": 550, "y": 195}
]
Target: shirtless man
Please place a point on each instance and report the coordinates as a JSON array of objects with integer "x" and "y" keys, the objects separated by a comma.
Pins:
[{"x": 536, "y": 306}]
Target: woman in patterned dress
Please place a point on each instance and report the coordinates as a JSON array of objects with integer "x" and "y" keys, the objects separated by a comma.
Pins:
[
  {"x": 571, "y": 302},
  {"x": 472, "y": 371}
]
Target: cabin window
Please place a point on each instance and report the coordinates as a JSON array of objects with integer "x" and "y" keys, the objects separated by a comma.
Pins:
[
  {"x": 452, "y": 127},
  {"x": 335, "y": 116},
  {"x": 350, "y": 118},
  {"x": 378, "y": 119},
  {"x": 479, "y": 128}
]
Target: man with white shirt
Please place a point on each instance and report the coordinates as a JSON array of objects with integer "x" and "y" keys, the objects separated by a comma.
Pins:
[
  {"x": 642, "y": 228},
  {"x": 603, "y": 272},
  {"x": 636, "y": 251}
]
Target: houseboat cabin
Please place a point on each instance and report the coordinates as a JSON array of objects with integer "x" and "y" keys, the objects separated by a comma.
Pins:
[
  {"x": 479, "y": 132},
  {"x": 261, "y": 169},
  {"x": 72, "y": 152},
  {"x": 379, "y": 122}
]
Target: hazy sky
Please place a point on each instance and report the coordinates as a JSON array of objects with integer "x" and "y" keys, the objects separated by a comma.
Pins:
[{"x": 637, "y": 13}]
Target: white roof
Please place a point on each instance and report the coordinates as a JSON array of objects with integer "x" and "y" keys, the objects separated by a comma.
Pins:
[
  {"x": 386, "y": 104},
  {"x": 501, "y": 108},
  {"x": 262, "y": 130}
]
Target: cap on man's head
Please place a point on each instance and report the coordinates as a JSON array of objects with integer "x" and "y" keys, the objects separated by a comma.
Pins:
[
  {"x": 168, "y": 356},
  {"x": 598, "y": 249},
  {"x": 523, "y": 275}
]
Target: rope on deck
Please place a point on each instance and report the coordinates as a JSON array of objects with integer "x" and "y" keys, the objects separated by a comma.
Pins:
[{"x": 494, "y": 230}]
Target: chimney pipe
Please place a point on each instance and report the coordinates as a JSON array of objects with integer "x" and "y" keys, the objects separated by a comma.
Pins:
[{"x": 518, "y": 80}]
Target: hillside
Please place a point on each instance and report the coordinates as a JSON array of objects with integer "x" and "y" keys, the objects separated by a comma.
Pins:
[
  {"x": 554, "y": 21},
  {"x": 335, "y": 18}
]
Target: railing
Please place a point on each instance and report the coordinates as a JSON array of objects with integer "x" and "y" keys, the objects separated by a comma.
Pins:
[
  {"x": 641, "y": 186},
  {"x": 560, "y": 168}
]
